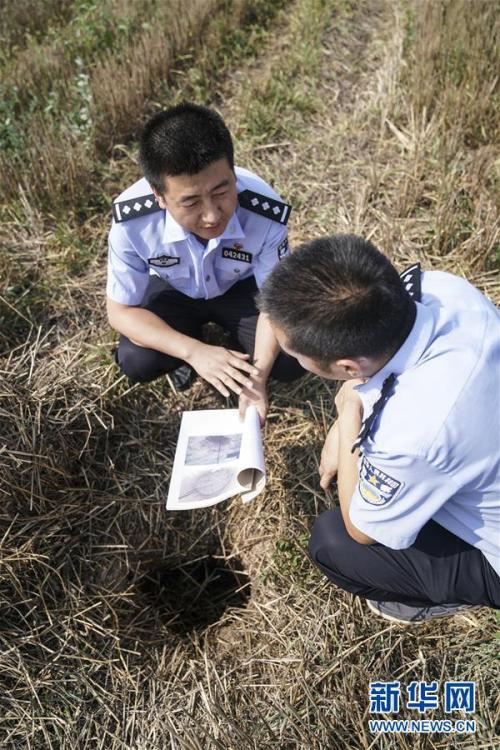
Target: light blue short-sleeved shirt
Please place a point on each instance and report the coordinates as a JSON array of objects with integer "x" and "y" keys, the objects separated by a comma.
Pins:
[
  {"x": 434, "y": 450},
  {"x": 155, "y": 243}
]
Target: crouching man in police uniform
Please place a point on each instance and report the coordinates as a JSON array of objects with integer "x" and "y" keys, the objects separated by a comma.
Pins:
[
  {"x": 191, "y": 243},
  {"x": 415, "y": 446}
]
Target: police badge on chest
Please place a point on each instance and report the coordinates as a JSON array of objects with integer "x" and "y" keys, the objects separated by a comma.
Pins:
[
  {"x": 237, "y": 252},
  {"x": 164, "y": 261}
]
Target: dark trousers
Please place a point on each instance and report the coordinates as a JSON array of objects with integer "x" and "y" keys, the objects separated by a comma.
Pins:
[
  {"x": 235, "y": 311},
  {"x": 439, "y": 568}
]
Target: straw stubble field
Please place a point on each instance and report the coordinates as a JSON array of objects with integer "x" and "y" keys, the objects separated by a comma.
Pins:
[{"x": 123, "y": 627}]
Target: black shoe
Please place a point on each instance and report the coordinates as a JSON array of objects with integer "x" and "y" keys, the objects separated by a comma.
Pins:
[
  {"x": 182, "y": 378},
  {"x": 409, "y": 615}
]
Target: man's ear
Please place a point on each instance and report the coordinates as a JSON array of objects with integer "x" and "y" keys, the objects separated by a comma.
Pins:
[
  {"x": 159, "y": 198},
  {"x": 353, "y": 368}
]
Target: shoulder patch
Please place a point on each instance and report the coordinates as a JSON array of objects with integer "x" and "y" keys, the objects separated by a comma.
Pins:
[
  {"x": 375, "y": 486},
  {"x": 283, "y": 249},
  {"x": 265, "y": 206},
  {"x": 411, "y": 279},
  {"x": 135, "y": 207}
]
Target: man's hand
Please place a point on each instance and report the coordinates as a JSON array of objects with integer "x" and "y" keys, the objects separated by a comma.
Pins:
[
  {"x": 223, "y": 368},
  {"x": 254, "y": 395},
  {"x": 337, "y": 457},
  {"x": 329, "y": 462},
  {"x": 348, "y": 400},
  {"x": 350, "y": 411}
]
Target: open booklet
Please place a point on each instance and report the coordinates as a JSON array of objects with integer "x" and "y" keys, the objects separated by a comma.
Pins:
[{"x": 217, "y": 456}]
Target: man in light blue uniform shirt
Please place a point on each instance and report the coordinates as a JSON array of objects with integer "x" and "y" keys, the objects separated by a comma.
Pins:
[
  {"x": 191, "y": 243},
  {"x": 155, "y": 244},
  {"x": 416, "y": 444}
]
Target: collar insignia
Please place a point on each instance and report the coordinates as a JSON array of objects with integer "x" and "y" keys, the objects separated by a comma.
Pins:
[{"x": 411, "y": 278}]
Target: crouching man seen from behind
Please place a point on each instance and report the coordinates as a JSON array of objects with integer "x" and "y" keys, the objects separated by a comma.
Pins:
[{"x": 415, "y": 445}]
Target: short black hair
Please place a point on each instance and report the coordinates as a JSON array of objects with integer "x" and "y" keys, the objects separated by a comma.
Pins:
[
  {"x": 183, "y": 140},
  {"x": 338, "y": 297}
]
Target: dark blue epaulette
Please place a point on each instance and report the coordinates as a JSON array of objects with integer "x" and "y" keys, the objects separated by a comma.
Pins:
[
  {"x": 135, "y": 207},
  {"x": 265, "y": 206},
  {"x": 412, "y": 281}
]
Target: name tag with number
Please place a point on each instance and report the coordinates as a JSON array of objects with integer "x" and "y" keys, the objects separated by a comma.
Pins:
[{"x": 241, "y": 255}]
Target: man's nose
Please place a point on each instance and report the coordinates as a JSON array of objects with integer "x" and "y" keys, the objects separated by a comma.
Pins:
[{"x": 211, "y": 213}]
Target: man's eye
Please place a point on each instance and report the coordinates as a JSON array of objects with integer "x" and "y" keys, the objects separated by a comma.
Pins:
[
  {"x": 223, "y": 192},
  {"x": 189, "y": 205}
]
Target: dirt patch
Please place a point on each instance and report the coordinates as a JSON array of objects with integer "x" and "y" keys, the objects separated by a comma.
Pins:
[{"x": 195, "y": 594}]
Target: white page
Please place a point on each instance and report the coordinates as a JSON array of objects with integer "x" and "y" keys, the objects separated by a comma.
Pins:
[
  {"x": 208, "y": 458},
  {"x": 252, "y": 475}
]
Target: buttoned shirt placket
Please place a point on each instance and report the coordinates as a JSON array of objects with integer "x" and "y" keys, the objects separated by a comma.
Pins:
[
  {"x": 201, "y": 258},
  {"x": 209, "y": 281},
  {"x": 232, "y": 232}
]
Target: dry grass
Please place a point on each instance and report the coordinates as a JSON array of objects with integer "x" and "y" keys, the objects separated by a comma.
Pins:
[
  {"x": 98, "y": 648},
  {"x": 21, "y": 21},
  {"x": 97, "y": 86},
  {"x": 70, "y": 98}
]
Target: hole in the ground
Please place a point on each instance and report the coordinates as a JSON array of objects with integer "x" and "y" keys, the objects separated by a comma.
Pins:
[{"x": 195, "y": 594}]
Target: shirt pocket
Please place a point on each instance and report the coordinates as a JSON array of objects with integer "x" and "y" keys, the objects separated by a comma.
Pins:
[
  {"x": 229, "y": 269},
  {"x": 177, "y": 277}
]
